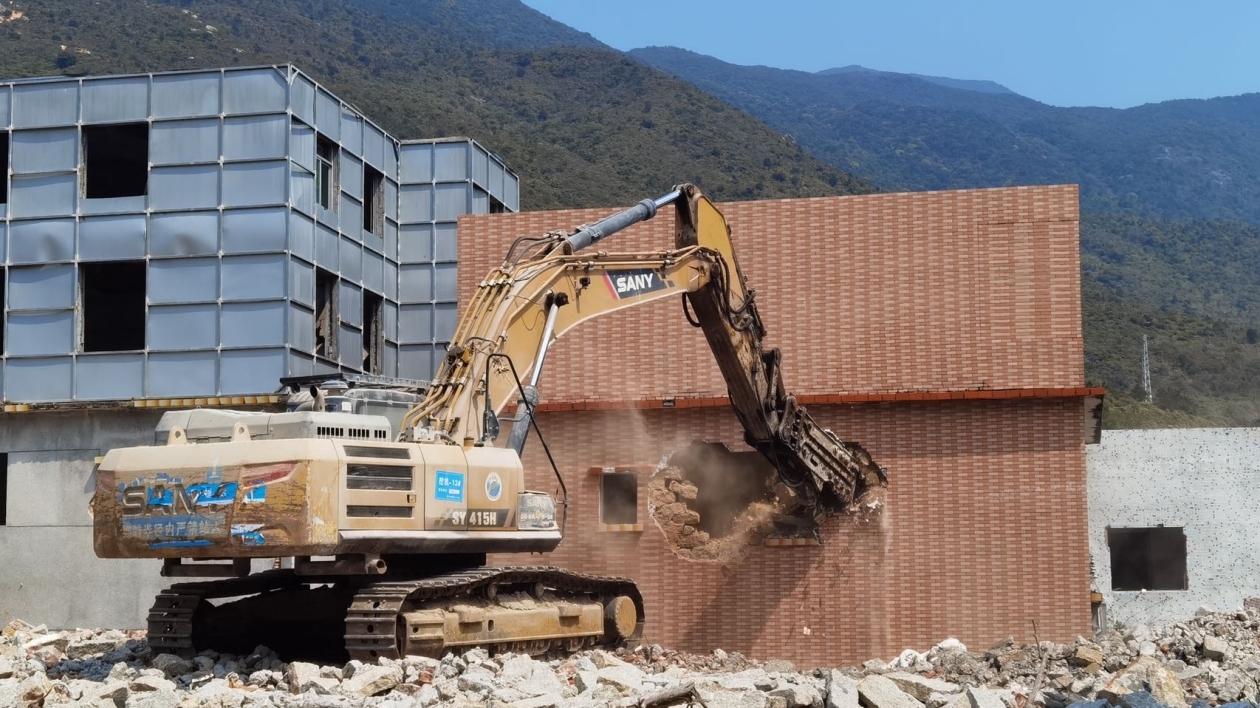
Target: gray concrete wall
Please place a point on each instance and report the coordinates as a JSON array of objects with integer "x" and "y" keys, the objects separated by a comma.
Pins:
[
  {"x": 48, "y": 571},
  {"x": 1205, "y": 480}
]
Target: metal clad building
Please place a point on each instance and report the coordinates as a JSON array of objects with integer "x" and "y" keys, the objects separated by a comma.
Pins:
[
  {"x": 179, "y": 239},
  {"x": 204, "y": 233}
]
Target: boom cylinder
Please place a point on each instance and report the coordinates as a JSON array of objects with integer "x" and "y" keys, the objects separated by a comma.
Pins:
[{"x": 588, "y": 234}]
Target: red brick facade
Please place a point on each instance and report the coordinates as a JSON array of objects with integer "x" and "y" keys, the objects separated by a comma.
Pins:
[{"x": 924, "y": 300}]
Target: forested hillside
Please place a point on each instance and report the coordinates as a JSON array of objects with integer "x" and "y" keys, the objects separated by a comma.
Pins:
[
  {"x": 582, "y": 124},
  {"x": 1180, "y": 159}
]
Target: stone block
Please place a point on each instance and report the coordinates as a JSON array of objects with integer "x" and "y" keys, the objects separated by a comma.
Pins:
[{"x": 879, "y": 692}]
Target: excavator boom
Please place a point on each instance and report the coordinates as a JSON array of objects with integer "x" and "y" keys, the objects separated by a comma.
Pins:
[{"x": 552, "y": 284}]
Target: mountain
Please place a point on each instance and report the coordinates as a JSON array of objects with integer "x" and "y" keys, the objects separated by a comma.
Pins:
[
  {"x": 964, "y": 84},
  {"x": 1170, "y": 246},
  {"x": 1179, "y": 159},
  {"x": 582, "y": 124}
]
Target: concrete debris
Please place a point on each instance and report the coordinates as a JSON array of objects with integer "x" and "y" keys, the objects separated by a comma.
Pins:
[{"x": 1211, "y": 659}]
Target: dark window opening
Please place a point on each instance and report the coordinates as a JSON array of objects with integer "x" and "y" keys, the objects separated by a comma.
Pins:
[
  {"x": 326, "y": 319},
  {"x": 3, "y": 279},
  {"x": 372, "y": 332},
  {"x": 1148, "y": 558},
  {"x": 115, "y": 160},
  {"x": 373, "y": 200},
  {"x": 4, "y": 488},
  {"x": 325, "y": 171},
  {"x": 4, "y": 167},
  {"x": 113, "y": 300},
  {"x": 619, "y": 498},
  {"x": 497, "y": 207}
]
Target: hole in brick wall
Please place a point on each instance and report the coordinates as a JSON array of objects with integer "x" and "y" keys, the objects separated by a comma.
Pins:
[
  {"x": 373, "y": 200},
  {"x": 712, "y": 503}
]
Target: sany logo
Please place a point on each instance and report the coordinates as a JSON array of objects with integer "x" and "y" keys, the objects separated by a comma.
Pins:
[{"x": 629, "y": 283}]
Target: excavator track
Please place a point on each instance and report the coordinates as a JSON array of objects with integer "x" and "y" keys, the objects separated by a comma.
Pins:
[{"x": 375, "y": 623}]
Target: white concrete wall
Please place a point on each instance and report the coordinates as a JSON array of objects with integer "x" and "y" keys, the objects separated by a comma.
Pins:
[
  {"x": 1205, "y": 480},
  {"x": 48, "y": 571}
]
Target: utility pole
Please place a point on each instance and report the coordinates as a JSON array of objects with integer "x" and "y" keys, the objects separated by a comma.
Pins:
[{"x": 1146, "y": 370}]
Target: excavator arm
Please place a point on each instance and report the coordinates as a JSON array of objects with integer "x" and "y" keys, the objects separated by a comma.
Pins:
[{"x": 549, "y": 285}]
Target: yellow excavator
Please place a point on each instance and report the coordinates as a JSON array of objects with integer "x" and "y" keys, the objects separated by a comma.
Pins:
[{"x": 383, "y": 522}]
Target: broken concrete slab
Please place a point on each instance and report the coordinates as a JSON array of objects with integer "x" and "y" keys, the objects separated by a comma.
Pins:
[
  {"x": 921, "y": 687},
  {"x": 879, "y": 692}
]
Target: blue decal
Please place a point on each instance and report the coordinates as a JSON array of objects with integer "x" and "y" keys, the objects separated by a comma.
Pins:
[
  {"x": 181, "y": 544},
  {"x": 172, "y": 527},
  {"x": 257, "y": 495},
  {"x": 249, "y": 534},
  {"x": 449, "y": 486}
]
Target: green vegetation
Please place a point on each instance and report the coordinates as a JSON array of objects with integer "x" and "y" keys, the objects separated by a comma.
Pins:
[
  {"x": 586, "y": 126},
  {"x": 1180, "y": 159},
  {"x": 1169, "y": 245},
  {"x": 582, "y": 124}
]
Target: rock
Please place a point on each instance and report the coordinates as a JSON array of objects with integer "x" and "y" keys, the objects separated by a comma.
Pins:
[
  {"x": 623, "y": 678},
  {"x": 984, "y": 698},
  {"x": 541, "y": 682},
  {"x": 1147, "y": 648},
  {"x": 842, "y": 691},
  {"x": 147, "y": 683},
  {"x": 6, "y": 668},
  {"x": 921, "y": 687},
  {"x": 301, "y": 677},
  {"x": 476, "y": 680},
  {"x": 1215, "y": 648},
  {"x": 427, "y": 696},
  {"x": 875, "y": 666},
  {"x": 153, "y": 699},
  {"x": 684, "y": 490},
  {"x": 372, "y": 680},
  {"x": 1086, "y": 655},
  {"x": 90, "y": 647},
  {"x": 718, "y": 698},
  {"x": 172, "y": 665},
  {"x": 879, "y": 692},
  {"x": 1146, "y": 674},
  {"x": 537, "y": 702},
  {"x": 517, "y": 668},
  {"x": 18, "y": 625},
  {"x": 585, "y": 680},
  {"x": 779, "y": 666},
  {"x": 116, "y": 692},
  {"x": 797, "y": 695},
  {"x": 32, "y": 690}
]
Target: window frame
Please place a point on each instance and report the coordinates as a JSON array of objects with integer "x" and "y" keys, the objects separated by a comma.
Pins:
[
  {"x": 326, "y": 172},
  {"x": 604, "y": 477}
]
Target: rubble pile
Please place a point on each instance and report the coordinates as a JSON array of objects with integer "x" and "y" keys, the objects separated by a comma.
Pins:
[{"x": 1213, "y": 659}]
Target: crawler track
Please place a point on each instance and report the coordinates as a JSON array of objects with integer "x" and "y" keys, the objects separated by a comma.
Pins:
[{"x": 182, "y": 615}]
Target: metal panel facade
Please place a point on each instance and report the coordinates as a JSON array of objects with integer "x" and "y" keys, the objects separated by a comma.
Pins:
[
  {"x": 439, "y": 181},
  {"x": 252, "y": 192}
]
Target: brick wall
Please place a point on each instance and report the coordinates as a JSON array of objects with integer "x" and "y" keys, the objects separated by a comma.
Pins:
[
  {"x": 985, "y": 528},
  {"x": 930, "y": 291},
  {"x": 984, "y": 533}
]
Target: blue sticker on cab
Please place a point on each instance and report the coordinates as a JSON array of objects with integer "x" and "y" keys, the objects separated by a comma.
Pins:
[{"x": 449, "y": 486}]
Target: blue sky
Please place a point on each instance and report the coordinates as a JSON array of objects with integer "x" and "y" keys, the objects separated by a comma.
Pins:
[{"x": 1117, "y": 53}]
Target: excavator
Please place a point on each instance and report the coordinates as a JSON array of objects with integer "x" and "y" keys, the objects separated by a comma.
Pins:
[{"x": 340, "y": 525}]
